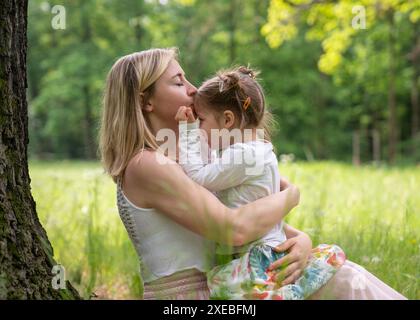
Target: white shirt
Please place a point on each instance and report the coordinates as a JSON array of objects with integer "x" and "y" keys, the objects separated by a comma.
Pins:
[
  {"x": 243, "y": 173},
  {"x": 163, "y": 246}
]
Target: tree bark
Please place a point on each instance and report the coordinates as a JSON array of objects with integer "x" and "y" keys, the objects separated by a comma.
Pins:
[{"x": 26, "y": 255}]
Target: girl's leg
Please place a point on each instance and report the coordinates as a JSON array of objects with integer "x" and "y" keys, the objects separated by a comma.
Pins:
[{"x": 353, "y": 282}]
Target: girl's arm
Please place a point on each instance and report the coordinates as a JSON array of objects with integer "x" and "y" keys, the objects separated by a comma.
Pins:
[
  {"x": 153, "y": 181},
  {"x": 228, "y": 171}
]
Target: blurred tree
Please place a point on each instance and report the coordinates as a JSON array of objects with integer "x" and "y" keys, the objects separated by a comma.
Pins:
[
  {"x": 26, "y": 254},
  {"x": 414, "y": 58},
  {"x": 324, "y": 83},
  {"x": 70, "y": 66},
  {"x": 335, "y": 24}
]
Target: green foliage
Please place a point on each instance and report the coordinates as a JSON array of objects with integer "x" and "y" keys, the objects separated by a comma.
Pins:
[
  {"x": 323, "y": 78},
  {"x": 335, "y": 23},
  {"x": 356, "y": 42}
]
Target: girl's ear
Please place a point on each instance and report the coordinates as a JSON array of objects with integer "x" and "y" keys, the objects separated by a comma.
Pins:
[
  {"x": 146, "y": 105},
  {"x": 228, "y": 119}
]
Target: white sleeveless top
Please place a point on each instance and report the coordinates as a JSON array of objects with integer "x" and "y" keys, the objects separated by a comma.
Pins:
[{"x": 163, "y": 246}]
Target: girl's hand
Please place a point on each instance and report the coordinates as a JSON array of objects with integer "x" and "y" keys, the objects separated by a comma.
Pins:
[
  {"x": 294, "y": 193},
  {"x": 185, "y": 114},
  {"x": 284, "y": 183},
  {"x": 292, "y": 264}
]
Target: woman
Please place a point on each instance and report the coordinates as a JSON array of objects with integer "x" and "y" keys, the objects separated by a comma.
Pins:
[{"x": 173, "y": 221}]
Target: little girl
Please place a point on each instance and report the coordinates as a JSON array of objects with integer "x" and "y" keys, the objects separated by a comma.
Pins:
[{"x": 231, "y": 107}]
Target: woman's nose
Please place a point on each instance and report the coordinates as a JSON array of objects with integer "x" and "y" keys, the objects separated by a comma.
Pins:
[{"x": 192, "y": 90}]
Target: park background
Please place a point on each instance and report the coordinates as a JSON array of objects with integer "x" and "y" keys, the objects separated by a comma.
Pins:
[{"x": 341, "y": 78}]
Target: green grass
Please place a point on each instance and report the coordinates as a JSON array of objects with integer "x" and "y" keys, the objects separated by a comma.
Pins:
[{"x": 372, "y": 213}]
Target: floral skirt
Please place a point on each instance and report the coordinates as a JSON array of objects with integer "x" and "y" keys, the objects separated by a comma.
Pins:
[{"x": 248, "y": 277}]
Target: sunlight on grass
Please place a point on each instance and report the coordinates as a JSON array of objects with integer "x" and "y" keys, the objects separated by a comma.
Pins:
[{"x": 372, "y": 213}]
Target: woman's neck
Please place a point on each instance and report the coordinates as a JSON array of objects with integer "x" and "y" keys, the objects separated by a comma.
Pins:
[{"x": 166, "y": 138}]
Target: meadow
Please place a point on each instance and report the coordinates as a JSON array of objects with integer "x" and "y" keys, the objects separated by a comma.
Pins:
[{"x": 372, "y": 212}]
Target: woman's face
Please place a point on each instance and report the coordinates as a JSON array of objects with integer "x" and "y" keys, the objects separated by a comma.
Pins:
[{"x": 171, "y": 91}]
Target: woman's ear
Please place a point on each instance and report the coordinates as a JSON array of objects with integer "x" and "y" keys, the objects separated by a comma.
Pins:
[
  {"x": 228, "y": 119},
  {"x": 145, "y": 105}
]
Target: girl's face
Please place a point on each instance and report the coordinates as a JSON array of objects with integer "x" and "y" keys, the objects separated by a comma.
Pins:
[
  {"x": 208, "y": 121},
  {"x": 171, "y": 91},
  {"x": 221, "y": 124}
]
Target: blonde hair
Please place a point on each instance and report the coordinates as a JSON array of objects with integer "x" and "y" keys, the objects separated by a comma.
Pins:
[{"x": 124, "y": 130}]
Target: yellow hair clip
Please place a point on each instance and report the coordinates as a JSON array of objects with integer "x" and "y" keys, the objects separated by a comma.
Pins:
[{"x": 247, "y": 103}]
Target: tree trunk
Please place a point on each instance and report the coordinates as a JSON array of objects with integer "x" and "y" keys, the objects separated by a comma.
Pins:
[
  {"x": 26, "y": 255},
  {"x": 392, "y": 104},
  {"x": 88, "y": 121},
  {"x": 139, "y": 32},
  {"x": 376, "y": 146},
  {"x": 320, "y": 106},
  {"x": 356, "y": 147},
  {"x": 233, "y": 11},
  {"x": 415, "y": 59},
  {"x": 88, "y": 124}
]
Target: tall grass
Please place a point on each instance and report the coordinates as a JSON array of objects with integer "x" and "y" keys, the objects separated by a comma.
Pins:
[
  {"x": 372, "y": 213},
  {"x": 76, "y": 204}
]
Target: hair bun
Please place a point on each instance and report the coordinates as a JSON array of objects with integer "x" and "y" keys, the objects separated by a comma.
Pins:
[
  {"x": 228, "y": 81},
  {"x": 232, "y": 79},
  {"x": 247, "y": 71}
]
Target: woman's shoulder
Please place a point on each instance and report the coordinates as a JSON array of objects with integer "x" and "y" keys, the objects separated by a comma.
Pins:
[
  {"x": 147, "y": 164},
  {"x": 144, "y": 170},
  {"x": 148, "y": 174}
]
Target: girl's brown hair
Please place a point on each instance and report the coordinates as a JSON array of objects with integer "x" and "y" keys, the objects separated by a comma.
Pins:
[{"x": 237, "y": 89}]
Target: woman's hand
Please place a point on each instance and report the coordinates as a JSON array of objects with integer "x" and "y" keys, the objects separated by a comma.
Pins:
[{"x": 292, "y": 264}]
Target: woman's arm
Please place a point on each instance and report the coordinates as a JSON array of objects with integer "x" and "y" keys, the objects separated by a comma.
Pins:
[
  {"x": 298, "y": 247},
  {"x": 153, "y": 181}
]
